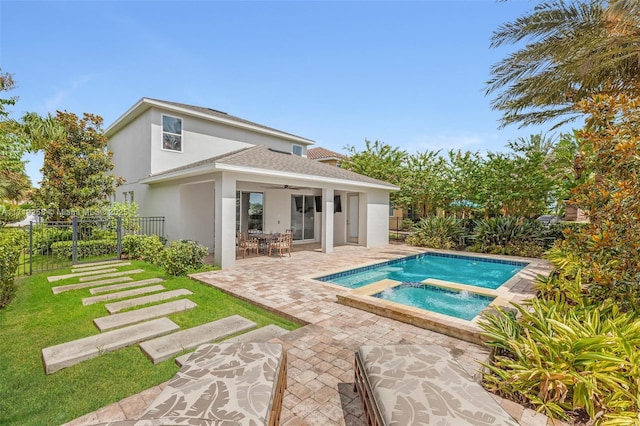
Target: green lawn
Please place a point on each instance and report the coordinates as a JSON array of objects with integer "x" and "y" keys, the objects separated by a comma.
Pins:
[{"x": 37, "y": 318}]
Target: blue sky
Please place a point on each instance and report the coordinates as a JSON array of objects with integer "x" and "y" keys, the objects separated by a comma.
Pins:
[{"x": 410, "y": 74}]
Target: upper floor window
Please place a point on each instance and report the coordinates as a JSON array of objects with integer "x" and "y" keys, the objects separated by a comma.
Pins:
[
  {"x": 171, "y": 133},
  {"x": 296, "y": 150}
]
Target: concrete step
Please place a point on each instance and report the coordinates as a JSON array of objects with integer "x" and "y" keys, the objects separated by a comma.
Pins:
[
  {"x": 167, "y": 346},
  {"x": 131, "y": 284},
  {"x": 112, "y": 274},
  {"x": 63, "y": 288},
  {"x": 79, "y": 274},
  {"x": 114, "y": 263},
  {"x": 67, "y": 354},
  {"x": 121, "y": 294},
  {"x": 259, "y": 335},
  {"x": 143, "y": 314},
  {"x": 77, "y": 268},
  {"x": 144, "y": 300}
]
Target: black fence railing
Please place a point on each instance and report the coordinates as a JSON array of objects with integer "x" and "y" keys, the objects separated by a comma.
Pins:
[
  {"x": 55, "y": 245},
  {"x": 399, "y": 228}
]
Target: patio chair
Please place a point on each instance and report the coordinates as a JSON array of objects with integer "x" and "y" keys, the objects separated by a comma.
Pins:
[
  {"x": 247, "y": 244},
  {"x": 282, "y": 244},
  {"x": 421, "y": 384}
]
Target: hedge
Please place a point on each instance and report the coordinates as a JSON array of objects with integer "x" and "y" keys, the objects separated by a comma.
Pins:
[
  {"x": 11, "y": 245},
  {"x": 64, "y": 249}
]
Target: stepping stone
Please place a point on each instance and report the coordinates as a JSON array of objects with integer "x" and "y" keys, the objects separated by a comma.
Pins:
[
  {"x": 118, "y": 306},
  {"x": 125, "y": 285},
  {"x": 79, "y": 274},
  {"x": 67, "y": 354},
  {"x": 114, "y": 263},
  {"x": 259, "y": 335},
  {"x": 112, "y": 274},
  {"x": 96, "y": 268},
  {"x": 143, "y": 314},
  {"x": 62, "y": 288},
  {"x": 167, "y": 346},
  {"x": 121, "y": 294}
]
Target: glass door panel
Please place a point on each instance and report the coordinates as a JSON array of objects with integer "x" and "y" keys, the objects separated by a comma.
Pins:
[{"x": 303, "y": 217}]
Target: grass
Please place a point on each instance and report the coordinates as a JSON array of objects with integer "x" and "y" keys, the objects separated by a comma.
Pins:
[{"x": 37, "y": 318}]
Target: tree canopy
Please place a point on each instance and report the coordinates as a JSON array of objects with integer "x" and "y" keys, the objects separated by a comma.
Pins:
[{"x": 573, "y": 50}]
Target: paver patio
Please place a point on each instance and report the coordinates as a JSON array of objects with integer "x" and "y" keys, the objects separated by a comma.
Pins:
[{"x": 320, "y": 354}]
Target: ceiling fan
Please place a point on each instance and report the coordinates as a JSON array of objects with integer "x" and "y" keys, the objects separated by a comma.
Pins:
[{"x": 295, "y": 188}]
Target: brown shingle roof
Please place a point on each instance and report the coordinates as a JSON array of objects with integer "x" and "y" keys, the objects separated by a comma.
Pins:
[
  {"x": 320, "y": 153},
  {"x": 262, "y": 158}
]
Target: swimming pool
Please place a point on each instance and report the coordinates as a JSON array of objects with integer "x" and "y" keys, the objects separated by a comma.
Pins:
[
  {"x": 469, "y": 270},
  {"x": 455, "y": 303}
]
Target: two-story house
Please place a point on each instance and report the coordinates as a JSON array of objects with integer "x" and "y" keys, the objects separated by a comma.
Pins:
[{"x": 211, "y": 175}]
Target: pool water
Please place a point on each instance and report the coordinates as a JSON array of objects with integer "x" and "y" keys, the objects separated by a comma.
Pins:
[
  {"x": 458, "y": 304},
  {"x": 475, "y": 271}
]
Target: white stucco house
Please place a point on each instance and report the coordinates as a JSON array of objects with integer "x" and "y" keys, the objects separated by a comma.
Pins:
[{"x": 211, "y": 174}]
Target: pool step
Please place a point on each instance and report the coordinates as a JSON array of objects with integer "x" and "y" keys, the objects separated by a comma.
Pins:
[
  {"x": 460, "y": 287},
  {"x": 377, "y": 287},
  {"x": 167, "y": 346}
]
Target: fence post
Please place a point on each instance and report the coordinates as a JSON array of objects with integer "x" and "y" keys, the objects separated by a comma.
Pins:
[
  {"x": 74, "y": 240},
  {"x": 31, "y": 247},
  {"x": 119, "y": 235}
]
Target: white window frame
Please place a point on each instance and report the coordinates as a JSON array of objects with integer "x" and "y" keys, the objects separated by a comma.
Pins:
[
  {"x": 293, "y": 149},
  {"x": 162, "y": 132}
]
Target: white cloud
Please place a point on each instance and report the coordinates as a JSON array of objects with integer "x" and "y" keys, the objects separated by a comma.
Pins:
[{"x": 58, "y": 99}]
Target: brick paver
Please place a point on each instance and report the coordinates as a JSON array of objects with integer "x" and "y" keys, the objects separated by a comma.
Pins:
[{"x": 321, "y": 353}]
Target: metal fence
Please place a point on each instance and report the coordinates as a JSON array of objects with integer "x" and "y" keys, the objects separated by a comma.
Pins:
[
  {"x": 399, "y": 228},
  {"x": 54, "y": 245}
]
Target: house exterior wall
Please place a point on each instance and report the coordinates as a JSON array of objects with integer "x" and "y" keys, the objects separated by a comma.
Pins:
[
  {"x": 377, "y": 221},
  {"x": 197, "y": 213},
  {"x": 203, "y": 139}
]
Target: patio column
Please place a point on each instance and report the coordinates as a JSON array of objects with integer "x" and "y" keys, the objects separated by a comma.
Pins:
[
  {"x": 326, "y": 236},
  {"x": 225, "y": 221}
]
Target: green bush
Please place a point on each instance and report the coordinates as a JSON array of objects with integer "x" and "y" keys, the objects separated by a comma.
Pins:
[
  {"x": 183, "y": 256},
  {"x": 562, "y": 356},
  {"x": 143, "y": 247},
  {"x": 11, "y": 245},
  {"x": 44, "y": 236},
  {"x": 437, "y": 232},
  {"x": 90, "y": 248},
  {"x": 512, "y": 236}
]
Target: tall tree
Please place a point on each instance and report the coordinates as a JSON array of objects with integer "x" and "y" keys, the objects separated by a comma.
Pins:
[
  {"x": 380, "y": 161},
  {"x": 14, "y": 181},
  {"x": 574, "y": 49},
  {"x": 76, "y": 166}
]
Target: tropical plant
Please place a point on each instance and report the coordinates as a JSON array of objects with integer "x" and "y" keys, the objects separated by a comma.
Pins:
[
  {"x": 437, "y": 232},
  {"x": 573, "y": 50},
  {"x": 562, "y": 357}
]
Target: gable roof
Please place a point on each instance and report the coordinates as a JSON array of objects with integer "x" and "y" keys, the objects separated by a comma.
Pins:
[
  {"x": 264, "y": 161},
  {"x": 201, "y": 112},
  {"x": 319, "y": 153}
]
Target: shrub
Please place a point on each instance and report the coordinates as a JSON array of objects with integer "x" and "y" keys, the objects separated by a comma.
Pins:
[
  {"x": 90, "y": 248},
  {"x": 44, "y": 236},
  {"x": 143, "y": 247},
  {"x": 437, "y": 232},
  {"x": 512, "y": 236},
  {"x": 11, "y": 245},
  {"x": 183, "y": 256},
  {"x": 406, "y": 224},
  {"x": 562, "y": 357}
]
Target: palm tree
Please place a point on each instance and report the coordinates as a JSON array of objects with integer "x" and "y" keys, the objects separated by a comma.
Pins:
[{"x": 573, "y": 50}]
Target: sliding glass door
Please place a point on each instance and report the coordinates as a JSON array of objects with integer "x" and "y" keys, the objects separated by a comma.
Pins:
[{"x": 303, "y": 217}]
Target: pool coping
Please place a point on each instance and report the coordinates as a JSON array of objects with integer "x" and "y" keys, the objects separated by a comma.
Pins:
[{"x": 515, "y": 290}]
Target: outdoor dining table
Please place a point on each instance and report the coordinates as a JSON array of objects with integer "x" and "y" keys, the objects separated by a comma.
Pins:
[{"x": 264, "y": 240}]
